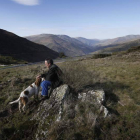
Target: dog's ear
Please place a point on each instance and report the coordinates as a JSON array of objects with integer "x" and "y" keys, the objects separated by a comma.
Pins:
[
  {"x": 38, "y": 81},
  {"x": 26, "y": 92},
  {"x": 31, "y": 86}
]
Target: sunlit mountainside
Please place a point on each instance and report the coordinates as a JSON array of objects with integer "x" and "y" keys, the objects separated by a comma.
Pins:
[{"x": 62, "y": 43}]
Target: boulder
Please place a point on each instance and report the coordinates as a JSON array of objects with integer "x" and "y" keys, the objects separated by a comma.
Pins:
[
  {"x": 95, "y": 96},
  {"x": 64, "y": 105}
]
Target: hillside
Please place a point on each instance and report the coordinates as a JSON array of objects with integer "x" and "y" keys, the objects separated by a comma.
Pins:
[
  {"x": 118, "y": 76},
  {"x": 90, "y": 42},
  {"x": 81, "y": 46},
  {"x": 118, "y": 47},
  {"x": 62, "y": 43},
  {"x": 105, "y": 42},
  {"x": 23, "y": 49}
]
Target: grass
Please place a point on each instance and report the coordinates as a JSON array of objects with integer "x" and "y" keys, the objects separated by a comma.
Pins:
[
  {"x": 120, "y": 78},
  {"x": 118, "y": 75}
]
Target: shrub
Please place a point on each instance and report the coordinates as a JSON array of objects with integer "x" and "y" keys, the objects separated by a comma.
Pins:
[
  {"x": 96, "y": 56},
  {"x": 62, "y": 55},
  {"x": 10, "y": 60}
]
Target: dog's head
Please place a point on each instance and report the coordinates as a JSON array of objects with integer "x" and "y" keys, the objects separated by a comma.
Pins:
[
  {"x": 38, "y": 81},
  {"x": 43, "y": 77}
]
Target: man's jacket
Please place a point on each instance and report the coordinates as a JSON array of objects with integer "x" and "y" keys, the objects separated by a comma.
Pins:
[{"x": 54, "y": 75}]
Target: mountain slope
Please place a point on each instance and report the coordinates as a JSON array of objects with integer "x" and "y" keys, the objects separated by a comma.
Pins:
[
  {"x": 118, "y": 40},
  {"x": 90, "y": 42},
  {"x": 62, "y": 43},
  {"x": 80, "y": 46},
  {"x": 21, "y": 48},
  {"x": 119, "y": 47}
]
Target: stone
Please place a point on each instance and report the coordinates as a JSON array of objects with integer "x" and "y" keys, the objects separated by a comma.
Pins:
[
  {"x": 64, "y": 105},
  {"x": 98, "y": 97}
]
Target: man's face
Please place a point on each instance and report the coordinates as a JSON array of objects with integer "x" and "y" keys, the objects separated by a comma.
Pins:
[{"x": 47, "y": 64}]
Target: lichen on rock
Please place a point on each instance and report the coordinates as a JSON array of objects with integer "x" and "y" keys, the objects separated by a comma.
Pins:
[{"x": 64, "y": 106}]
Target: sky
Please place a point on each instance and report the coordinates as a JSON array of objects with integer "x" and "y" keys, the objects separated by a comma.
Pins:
[{"x": 92, "y": 19}]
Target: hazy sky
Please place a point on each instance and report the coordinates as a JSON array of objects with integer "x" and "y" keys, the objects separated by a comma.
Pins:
[{"x": 99, "y": 19}]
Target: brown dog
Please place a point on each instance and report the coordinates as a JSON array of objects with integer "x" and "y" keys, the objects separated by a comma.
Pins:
[{"x": 31, "y": 90}]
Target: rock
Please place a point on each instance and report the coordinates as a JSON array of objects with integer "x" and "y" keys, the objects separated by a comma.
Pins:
[
  {"x": 64, "y": 106},
  {"x": 61, "y": 95},
  {"x": 61, "y": 92},
  {"x": 99, "y": 94},
  {"x": 50, "y": 111},
  {"x": 98, "y": 97},
  {"x": 105, "y": 111}
]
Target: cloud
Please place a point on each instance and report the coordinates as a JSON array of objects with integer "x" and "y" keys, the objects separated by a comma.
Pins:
[{"x": 27, "y": 2}]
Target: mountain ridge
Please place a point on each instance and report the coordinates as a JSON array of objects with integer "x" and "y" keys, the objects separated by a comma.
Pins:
[
  {"x": 79, "y": 45},
  {"x": 119, "y": 47},
  {"x": 62, "y": 43},
  {"x": 104, "y": 42},
  {"x": 23, "y": 49}
]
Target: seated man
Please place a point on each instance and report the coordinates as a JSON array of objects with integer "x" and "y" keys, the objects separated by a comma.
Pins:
[{"x": 51, "y": 78}]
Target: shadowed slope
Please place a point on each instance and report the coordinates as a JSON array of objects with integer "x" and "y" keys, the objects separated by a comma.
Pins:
[{"x": 21, "y": 48}]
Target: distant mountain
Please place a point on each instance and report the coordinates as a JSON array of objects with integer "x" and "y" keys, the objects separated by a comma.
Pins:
[
  {"x": 23, "y": 49},
  {"x": 118, "y": 47},
  {"x": 62, "y": 43},
  {"x": 90, "y": 42},
  {"x": 118, "y": 40},
  {"x": 81, "y": 46}
]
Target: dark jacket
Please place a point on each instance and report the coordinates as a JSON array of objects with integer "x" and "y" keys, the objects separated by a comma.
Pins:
[{"x": 54, "y": 75}]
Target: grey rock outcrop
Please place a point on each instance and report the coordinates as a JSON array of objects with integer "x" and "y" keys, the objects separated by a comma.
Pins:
[
  {"x": 64, "y": 105},
  {"x": 50, "y": 111},
  {"x": 97, "y": 97}
]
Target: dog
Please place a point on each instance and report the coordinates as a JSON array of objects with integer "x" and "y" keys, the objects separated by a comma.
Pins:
[{"x": 31, "y": 90}]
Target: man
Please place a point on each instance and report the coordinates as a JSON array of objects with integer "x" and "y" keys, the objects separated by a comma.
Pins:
[{"x": 52, "y": 78}]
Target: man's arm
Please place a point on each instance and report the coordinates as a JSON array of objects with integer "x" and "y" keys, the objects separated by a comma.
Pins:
[{"x": 42, "y": 75}]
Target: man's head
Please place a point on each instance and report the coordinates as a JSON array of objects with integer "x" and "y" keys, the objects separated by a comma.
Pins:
[{"x": 48, "y": 62}]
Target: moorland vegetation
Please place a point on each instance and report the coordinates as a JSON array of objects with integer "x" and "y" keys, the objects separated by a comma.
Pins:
[{"x": 118, "y": 75}]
